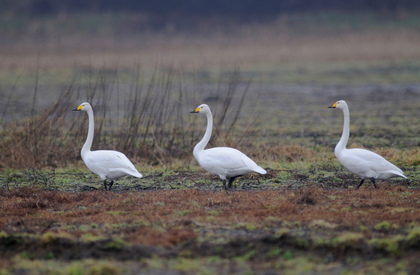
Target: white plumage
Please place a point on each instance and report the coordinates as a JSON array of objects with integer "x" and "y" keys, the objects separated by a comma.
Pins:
[
  {"x": 224, "y": 162},
  {"x": 364, "y": 163},
  {"x": 107, "y": 164}
]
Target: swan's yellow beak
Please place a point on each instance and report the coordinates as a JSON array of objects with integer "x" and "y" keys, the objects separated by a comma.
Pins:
[
  {"x": 78, "y": 108},
  {"x": 334, "y": 105},
  {"x": 196, "y": 110}
]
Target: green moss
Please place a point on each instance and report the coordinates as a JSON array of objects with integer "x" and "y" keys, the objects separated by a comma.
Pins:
[
  {"x": 85, "y": 227},
  {"x": 140, "y": 223},
  {"x": 301, "y": 242},
  {"x": 47, "y": 237},
  {"x": 182, "y": 212},
  {"x": 24, "y": 255},
  {"x": 74, "y": 270},
  {"x": 348, "y": 239},
  {"x": 103, "y": 268},
  {"x": 89, "y": 267},
  {"x": 250, "y": 226},
  {"x": 210, "y": 219},
  {"x": 117, "y": 244},
  {"x": 214, "y": 212},
  {"x": 383, "y": 226},
  {"x": 275, "y": 252},
  {"x": 322, "y": 224},
  {"x": 50, "y": 256},
  {"x": 3, "y": 234},
  {"x": 89, "y": 237},
  {"x": 191, "y": 265},
  {"x": 287, "y": 255},
  {"x": 413, "y": 237},
  {"x": 194, "y": 203},
  {"x": 251, "y": 253},
  {"x": 115, "y": 213},
  {"x": 390, "y": 245},
  {"x": 281, "y": 232},
  {"x": 363, "y": 228}
]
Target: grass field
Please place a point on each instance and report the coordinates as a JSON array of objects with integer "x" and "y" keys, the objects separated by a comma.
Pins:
[{"x": 269, "y": 86}]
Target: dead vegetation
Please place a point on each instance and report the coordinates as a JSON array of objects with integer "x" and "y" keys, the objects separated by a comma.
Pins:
[
  {"x": 25, "y": 210},
  {"x": 148, "y": 122},
  {"x": 195, "y": 223}
]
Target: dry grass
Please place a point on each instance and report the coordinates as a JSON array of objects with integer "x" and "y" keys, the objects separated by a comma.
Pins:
[
  {"x": 27, "y": 210},
  {"x": 196, "y": 223}
]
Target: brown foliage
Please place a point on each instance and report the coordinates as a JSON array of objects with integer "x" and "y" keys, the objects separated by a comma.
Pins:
[{"x": 168, "y": 217}]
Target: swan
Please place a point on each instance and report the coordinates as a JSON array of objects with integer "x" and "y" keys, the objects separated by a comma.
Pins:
[
  {"x": 224, "y": 162},
  {"x": 364, "y": 163},
  {"x": 107, "y": 164}
]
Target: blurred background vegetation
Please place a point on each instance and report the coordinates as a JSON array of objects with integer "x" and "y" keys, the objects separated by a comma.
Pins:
[
  {"x": 244, "y": 10},
  {"x": 267, "y": 68}
]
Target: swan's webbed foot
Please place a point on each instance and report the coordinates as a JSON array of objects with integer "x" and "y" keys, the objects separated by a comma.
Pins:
[
  {"x": 360, "y": 184},
  {"x": 373, "y": 181},
  {"x": 224, "y": 184},
  {"x": 231, "y": 180},
  {"x": 363, "y": 180},
  {"x": 108, "y": 186}
]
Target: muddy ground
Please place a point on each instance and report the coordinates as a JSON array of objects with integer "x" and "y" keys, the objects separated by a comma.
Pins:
[{"x": 172, "y": 225}]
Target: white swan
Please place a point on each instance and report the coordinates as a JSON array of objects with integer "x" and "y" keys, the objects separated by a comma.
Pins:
[
  {"x": 107, "y": 164},
  {"x": 222, "y": 161},
  {"x": 364, "y": 163}
]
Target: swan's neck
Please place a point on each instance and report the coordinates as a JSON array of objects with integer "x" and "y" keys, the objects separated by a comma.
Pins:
[
  {"x": 88, "y": 144},
  {"x": 200, "y": 146},
  {"x": 341, "y": 146}
]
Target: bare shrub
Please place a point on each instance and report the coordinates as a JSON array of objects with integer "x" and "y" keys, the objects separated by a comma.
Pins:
[
  {"x": 39, "y": 141},
  {"x": 149, "y": 122}
]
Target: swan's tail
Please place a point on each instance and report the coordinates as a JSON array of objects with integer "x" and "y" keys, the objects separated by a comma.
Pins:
[
  {"x": 129, "y": 172},
  {"x": 398, "y": 174},
  {"x": 260, "y": 170},
  {"x": 401, "y": 175},
  {"x": 137, "y": 175}
]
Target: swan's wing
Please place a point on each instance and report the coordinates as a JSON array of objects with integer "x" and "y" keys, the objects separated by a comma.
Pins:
[
  {"x": 125, "y": 171},
  {"x": 108, "y": 162},
  {"x": 374, "y": 160},
  {"x": 228, "y": 159},
  {"x": 364, "y": 160}
]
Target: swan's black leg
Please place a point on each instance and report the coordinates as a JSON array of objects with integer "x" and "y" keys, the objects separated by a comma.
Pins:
[
  {"x": 360, "y": 184},
  {"x": 110, "y": 184},
  {"x": 231, "y": 180},
  {"x": 105, "y": 185},
  {"x": 373, "y": 181},
  {"x": 224, "y": 184}
]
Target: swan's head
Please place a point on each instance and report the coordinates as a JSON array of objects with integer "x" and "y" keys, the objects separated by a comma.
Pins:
[
  {"x": 203, "y": 108},
  {"x": 83, "y": 107},
  {"x": 341, "y": 104}
]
